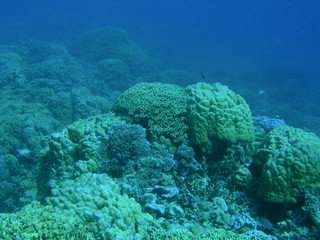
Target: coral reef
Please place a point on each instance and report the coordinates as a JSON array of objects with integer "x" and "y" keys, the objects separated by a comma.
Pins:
[
  {"x": 128, "y": 142},
  {"x": 268, "y": 123},
  {"x": 115, "y": 73},
  {"x": 26, "y": 127},
  {"x": 96, "y": 200},
  {"x": 12, "y": 69},
  {"x": 312, "y": 207},
  {"x": 162, "y": 160},
  {"x": 79, "y": 148},
  {"x": 216, "y": 112},
  {"x": 290, "y": 161},
  {"x": 160, "y": 108},
  {"x": 17, "y": 181},
  {"x": 113, "y": 43},
  {"x": 36, "y": 221}
]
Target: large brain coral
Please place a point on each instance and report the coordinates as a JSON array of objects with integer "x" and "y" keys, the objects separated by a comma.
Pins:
[
  {"x": 161, "y": 108},
  {"x": 291, "y": 161},
  {"x": 216, "y": 112}
]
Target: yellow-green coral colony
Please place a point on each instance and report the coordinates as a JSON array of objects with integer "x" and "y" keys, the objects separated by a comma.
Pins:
[
  {"x": 215, "y": 111},
  {"x": 161, "y": 108},
  {"x": 205, "y": 111},
  {"x": 290, "y": 161}
]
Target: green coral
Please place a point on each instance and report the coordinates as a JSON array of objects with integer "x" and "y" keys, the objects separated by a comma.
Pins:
[
  {"x": 79, "y": 148},
  {"x": 216, "y": 112},
  {"x": 290, "y": 161},
  {"x": 97, "y": 201},
  {"x": 161, "y": 108},
  {"x": 36, "y": 221}
]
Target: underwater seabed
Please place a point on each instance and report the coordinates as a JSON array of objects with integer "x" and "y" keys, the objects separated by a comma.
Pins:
[{"x": 100, "y": 141}]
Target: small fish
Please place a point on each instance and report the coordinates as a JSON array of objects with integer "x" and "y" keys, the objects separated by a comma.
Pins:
[
  {"x": 261, "y": 92},
  {"x": 203, "y": 76}
]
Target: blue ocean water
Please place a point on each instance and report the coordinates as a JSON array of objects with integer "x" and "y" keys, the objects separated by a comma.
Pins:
[
  {"x": 195, "y": 35},
  {"x": 265, "y": 31},
  {"x": 64, "y": 62}
]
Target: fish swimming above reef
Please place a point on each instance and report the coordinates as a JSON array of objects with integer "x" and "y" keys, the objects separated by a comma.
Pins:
[{"x": 203, "y": 75}]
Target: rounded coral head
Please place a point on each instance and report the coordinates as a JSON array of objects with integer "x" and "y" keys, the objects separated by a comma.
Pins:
[
  {"x": 290, "y": 161},
  {"x": 216, "y": 112}
]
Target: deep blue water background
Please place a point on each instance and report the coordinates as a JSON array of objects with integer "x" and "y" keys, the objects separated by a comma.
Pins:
[{"x": 193, "y": 35}]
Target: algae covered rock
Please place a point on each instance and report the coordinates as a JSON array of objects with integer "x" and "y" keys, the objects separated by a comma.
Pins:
[
  {"x": 290, "y": 161},
  {"x": 161, "y": 108},
  {"x": 214, "y": 111}
]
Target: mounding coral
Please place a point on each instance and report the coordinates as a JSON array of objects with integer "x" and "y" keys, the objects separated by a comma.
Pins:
[
  {"x": 88, "y": 207},
  {"x": 217, "y": 113},
  {"x": 36, "y": 221},
  {"x": 290, "y": 161},
  {"x": 159, "y": 107},
  {"x": 79, "y": 148},
  {"x": 97, "y": 201}
]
